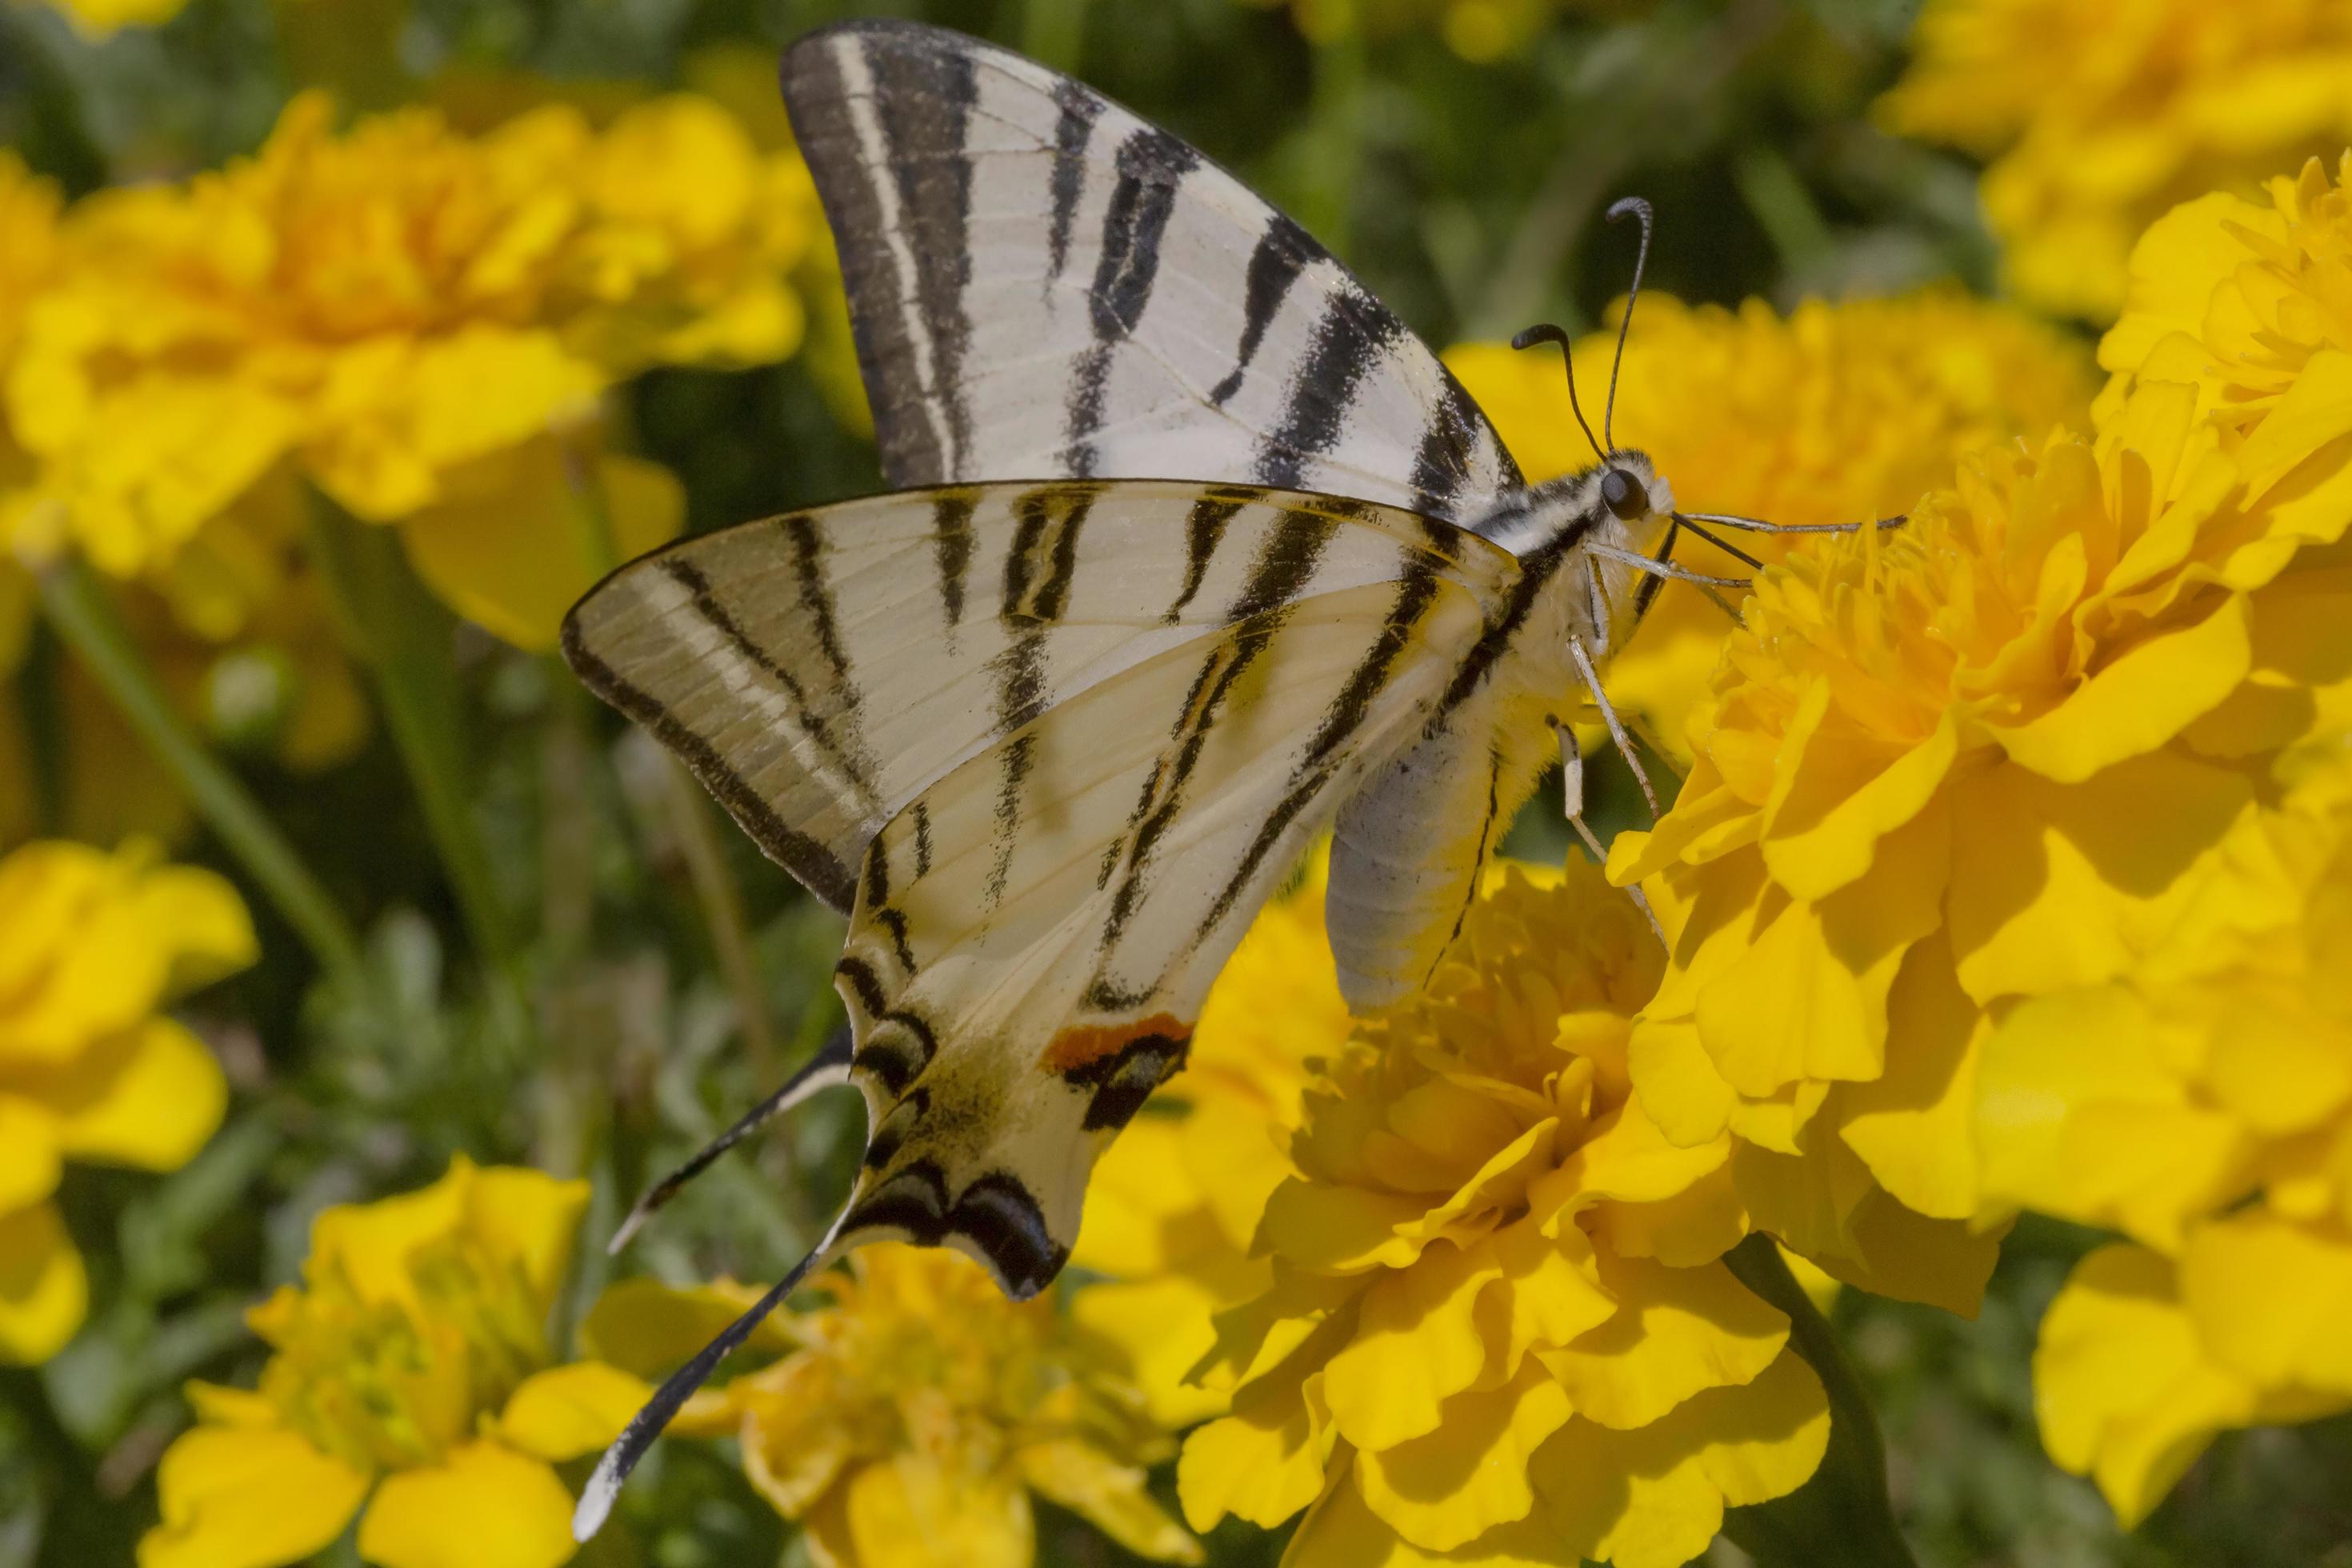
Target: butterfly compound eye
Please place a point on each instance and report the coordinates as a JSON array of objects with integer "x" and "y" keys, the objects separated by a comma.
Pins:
[{"x": 1623, "y": 494}]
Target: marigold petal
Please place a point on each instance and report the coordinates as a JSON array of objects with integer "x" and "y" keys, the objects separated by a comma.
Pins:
[
  {"x": 1677, "y": 1331},
  {"x": 1913, "y": 1125},
  {"x": 1262, "y": 1463},
  {"x": 30, "y": 1159},
  {"x": 159, "y": 1101},
  {"x": 2174, "y": 268},
  {"x": 2052, "y": 887},
  {"x": 44, "y": 1288},
  {"x": 2121, "y": 1390},
  {"x": 1416, "y": 1344},
  {"x": 1679, "y": 1083},
  {"x": 2078, "y": 1115},
  {"x": 484, "y": 1506},
  {"x": 1808, "y": 999},
  {"x": 1554, "y": 1291},
  {"x": 1162, "y": 1324},
  {"x": 2142, "y": 700},
  {"x": 1114, "y": 1498},
  {"x": 1446, "y": 1488},
  {"x": 1824, "y": 1205},
  {"x": 908, "y": 1512},
  {"x": 2270, "y": 1299},
  {"x": 1826, "y": 831},
  {"x": 568, "y": 1411},
  {"x": 1339, "y": 1229},
  {"x": 247, "y": 1498},
  {"x": 514, "y": 548},
  {"x": 647, "y": 1327},
  {"x": 530, "y": 1219}
]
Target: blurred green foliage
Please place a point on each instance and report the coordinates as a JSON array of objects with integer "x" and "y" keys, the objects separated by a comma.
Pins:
[{"x": 1466, "y": 195}]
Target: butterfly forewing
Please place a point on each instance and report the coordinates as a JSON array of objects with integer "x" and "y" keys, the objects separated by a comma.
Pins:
[{"x": 1042, "y": 284}]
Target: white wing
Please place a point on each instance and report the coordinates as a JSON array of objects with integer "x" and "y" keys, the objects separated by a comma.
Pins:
[{"x": 1044, "y": 285}]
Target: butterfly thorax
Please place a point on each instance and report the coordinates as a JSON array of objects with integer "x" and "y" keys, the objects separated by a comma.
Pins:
[{"x": 1577, "y": 590}]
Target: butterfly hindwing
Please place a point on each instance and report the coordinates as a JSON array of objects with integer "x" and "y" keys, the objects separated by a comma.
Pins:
[
  {"x": 1042, "y": 284},
  {"x": 1017, "y": 995}
]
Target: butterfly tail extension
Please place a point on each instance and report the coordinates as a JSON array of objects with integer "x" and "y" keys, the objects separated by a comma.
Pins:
[
  {"x": 829, "y": 1067},
  {"x": 637, "y": 1437}
]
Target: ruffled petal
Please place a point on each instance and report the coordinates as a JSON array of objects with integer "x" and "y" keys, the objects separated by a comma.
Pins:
[
  {"x": 44, "y": 1290},
  {"x": 485, "y": 1506},
  {"x": 248, "y": 1498},
  {"x": 1677, "y": 1331},
  {"x": 568, "y": 1411},
  {"x": 1445, "y": 1489}
]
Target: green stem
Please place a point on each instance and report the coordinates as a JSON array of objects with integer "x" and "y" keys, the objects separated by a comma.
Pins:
[
  {"x": 401, "y": 632},
  {"x": 86, "y": 620},
  {"x": 1842, "y": 1515}
]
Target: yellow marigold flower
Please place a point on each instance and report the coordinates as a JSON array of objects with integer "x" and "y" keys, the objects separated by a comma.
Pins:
[
  {"x": 1975, "y": 758},
  {"x": 1498, "y": 1327},
  {"x": 1833, "y": 413},
  {"x": 911, "y": 1415},
  {"x": 2099, "y": 117},
  {"x": 410, "y": 1375},
  {"x": 2242, "y": 298},
  {"x": 388, "y": 309},
  {"x": 91, "y": 947},
  {"x": 1174, "y": 1205},
  {"x": 2202, "y": 1103}
]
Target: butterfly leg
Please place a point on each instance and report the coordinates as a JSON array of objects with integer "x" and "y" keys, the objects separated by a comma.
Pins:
[
  {"x": 1571, "y": 778},
  {"x": 1584, "y": 666},
  {"x": 830, "y": 1066}
]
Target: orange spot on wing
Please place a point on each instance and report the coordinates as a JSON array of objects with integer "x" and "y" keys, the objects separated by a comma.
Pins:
[{"x": 1083, "y": 1044}]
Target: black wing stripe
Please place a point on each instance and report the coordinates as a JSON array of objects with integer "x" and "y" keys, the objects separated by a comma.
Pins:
[
  {"x": 1285, "y": 563},
  {"x": 995, "y": 1212},
  {"x": 1349, "y": 340},
  {"x": 1151, "y": 168},
  {"x": 705, "y": 601},
  {"x": 930, "y": 96},
  {"x": 1281, "y": 253},
  {"x": 1074, "y": 127},
  {"x": 840, "y": 135},
  {"x": 795, "y": 851},
  {"x": 952, "y": 515}
]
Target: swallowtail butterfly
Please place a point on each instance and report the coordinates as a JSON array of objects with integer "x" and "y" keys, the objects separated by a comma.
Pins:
[{"x": 1193, "y": 552}]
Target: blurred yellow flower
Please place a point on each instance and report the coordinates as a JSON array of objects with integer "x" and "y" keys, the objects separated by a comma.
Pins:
[
  {"x": 2201, "y": 1103},
  {"x": 1174, "y": 1205},
  {"x": 99, "y": 18},
  {"x": 388, "y": 309},
  {"x": 92, "y": 946},
  {"x": 1966, "y": 760},
  {"x": 1833, "y": 413},
  {"x": 910, "y": 1418},
  {"x": 410, "y": 1375},
  {"x": 2099, "y": 116},
  {"x": 1498, "y": 1327}
]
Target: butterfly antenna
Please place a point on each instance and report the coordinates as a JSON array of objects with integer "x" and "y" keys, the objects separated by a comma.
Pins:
[
  {"x": 1640, "y": 209},
  {"x": 1546, "y": 333}
]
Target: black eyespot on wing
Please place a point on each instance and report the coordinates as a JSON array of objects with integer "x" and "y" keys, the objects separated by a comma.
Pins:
[{"x": 1122, "y": 1080}]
